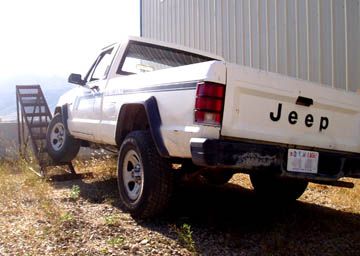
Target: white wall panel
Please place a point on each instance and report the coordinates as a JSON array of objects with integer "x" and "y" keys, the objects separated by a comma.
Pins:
[{"x": 316, "y": 40}]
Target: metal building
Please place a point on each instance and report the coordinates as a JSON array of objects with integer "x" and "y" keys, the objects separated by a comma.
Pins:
[{"x": 317, "y": 40}]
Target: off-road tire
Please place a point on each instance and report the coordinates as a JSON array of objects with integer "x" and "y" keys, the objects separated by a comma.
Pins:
[
  {"x": 65, "y": 151},
  {"x": 158, "y": 177},
  {"x": 269, "y": 186}
]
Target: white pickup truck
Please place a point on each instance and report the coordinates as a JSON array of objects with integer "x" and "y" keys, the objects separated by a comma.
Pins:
[{"x": 163, "y": 105}]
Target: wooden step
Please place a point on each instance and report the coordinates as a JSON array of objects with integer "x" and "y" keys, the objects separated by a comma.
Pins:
[
  {"x": 42, "y": 114},
  {"x": 27, "y": 87},
  {"x": 26, "y": 95},
  {"x": 34, "y": 104},
  {"x": 38, "y": 125},
  {"x": 39, "y": 136}
]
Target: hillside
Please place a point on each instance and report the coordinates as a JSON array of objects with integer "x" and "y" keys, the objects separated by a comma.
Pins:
[{"x": 52, "y": 87}]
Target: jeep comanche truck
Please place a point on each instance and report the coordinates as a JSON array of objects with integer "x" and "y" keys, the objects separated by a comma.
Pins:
[{"x": 163, "y": 106}]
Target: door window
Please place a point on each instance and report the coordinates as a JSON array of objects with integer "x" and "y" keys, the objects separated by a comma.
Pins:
[{"x": 101, "y": 66}]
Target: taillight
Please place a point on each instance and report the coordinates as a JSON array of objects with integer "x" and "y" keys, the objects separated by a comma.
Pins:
[{"x": 209, "y": 103}]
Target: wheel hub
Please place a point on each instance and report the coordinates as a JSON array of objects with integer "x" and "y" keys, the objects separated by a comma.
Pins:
[
  {"x": 57, "y": 136},
  {"x": 133, "y": 175}
]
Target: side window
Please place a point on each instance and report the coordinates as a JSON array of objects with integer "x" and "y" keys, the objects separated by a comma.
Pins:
[
  {"x": 143, "y": 57},
  {"x": 101, "y": 66}
]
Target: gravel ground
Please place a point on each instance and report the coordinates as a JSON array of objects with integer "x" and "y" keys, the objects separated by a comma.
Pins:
[{"x": 203, "y": 219}]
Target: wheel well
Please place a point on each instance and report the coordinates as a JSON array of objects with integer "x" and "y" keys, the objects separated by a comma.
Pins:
[
  {"x": 57, "y": 110},
  {"x": 132, "y": 117}
]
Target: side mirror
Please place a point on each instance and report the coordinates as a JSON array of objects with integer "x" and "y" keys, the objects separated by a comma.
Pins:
[{"x": 76, "y": 79}]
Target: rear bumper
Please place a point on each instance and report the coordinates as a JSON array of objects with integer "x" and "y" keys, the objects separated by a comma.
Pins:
[{"x": 247, "y": 157}]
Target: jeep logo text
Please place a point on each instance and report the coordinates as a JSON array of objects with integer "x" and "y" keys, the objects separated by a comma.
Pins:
[{"x": 293, "y": 118}]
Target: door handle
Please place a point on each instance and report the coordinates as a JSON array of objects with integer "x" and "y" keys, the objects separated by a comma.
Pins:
[
  {"x": 88, "y": 92},
  {"x": 95, "y": 88}
]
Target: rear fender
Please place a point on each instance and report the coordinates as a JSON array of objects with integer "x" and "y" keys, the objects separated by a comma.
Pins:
[{"x": 141, "y": 116}]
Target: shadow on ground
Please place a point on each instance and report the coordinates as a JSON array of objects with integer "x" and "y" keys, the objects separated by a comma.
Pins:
[{"x": 231, "y": 218}]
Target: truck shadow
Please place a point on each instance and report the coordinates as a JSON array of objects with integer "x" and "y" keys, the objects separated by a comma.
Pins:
[
  {"x": 231, "y": 218},
  {"x": 236, "y": 219}
]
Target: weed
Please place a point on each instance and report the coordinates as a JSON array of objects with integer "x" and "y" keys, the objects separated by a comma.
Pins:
[
  {"x": 104, "y": 251},
  {"x": 118, "y": 240},
  {"x": 75, "y": 192},
  {"x": 184, "y": 234},
  {"x": 112, "y": 220},
  {"x": 67, "y": 217}
]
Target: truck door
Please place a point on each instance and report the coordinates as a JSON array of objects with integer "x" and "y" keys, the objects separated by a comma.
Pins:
[{"x": 89, "y": 104}]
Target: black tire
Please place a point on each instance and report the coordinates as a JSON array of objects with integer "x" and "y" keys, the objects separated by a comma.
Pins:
[
  {"x": 218, "y": 177},
  {"x": 269, "y": 186},
  {"x": 60, "y": 145},
  {"x": 145, "y": 179}
]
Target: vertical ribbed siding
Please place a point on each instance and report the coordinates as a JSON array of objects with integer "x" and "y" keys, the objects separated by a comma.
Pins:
[{"x": 317, "y": 40}]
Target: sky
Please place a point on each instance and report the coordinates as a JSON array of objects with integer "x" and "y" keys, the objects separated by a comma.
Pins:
[{"x": 59, "y": 37}]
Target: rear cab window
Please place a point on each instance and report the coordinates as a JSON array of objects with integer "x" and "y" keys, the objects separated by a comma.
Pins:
[{"x": 143, "y": 57}]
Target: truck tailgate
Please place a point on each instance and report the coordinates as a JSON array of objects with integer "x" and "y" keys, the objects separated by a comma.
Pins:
[{"x": 274, "y": 108}]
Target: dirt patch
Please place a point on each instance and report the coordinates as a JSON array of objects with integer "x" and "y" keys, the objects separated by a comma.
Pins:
[{"x": 82, "y": 217}]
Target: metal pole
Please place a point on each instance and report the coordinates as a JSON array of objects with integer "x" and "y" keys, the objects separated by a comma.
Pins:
[{"x": 18, "y": 119}]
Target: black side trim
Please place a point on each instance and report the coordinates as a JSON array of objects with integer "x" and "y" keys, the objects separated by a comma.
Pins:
[
  {"x": 65, "y": 115},
  {"x": 153, "y": 115}
]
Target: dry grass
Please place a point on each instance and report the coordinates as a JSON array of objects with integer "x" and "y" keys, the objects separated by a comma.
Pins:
[
  {"x": 346, "y": 200},
  {"x": 29, "y": 214},
  {"x": 81, "y": 217},
  {"x": 75, "y": 217}
]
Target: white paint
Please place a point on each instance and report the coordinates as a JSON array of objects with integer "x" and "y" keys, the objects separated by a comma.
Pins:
[{"x": 251, "y": 95}]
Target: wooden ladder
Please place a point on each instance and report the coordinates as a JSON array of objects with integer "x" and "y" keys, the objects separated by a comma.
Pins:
[{"x": 34, "y": 113}]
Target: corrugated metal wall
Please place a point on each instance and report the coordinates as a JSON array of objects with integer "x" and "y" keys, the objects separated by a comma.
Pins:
[{"x": 316, "y": 40}]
